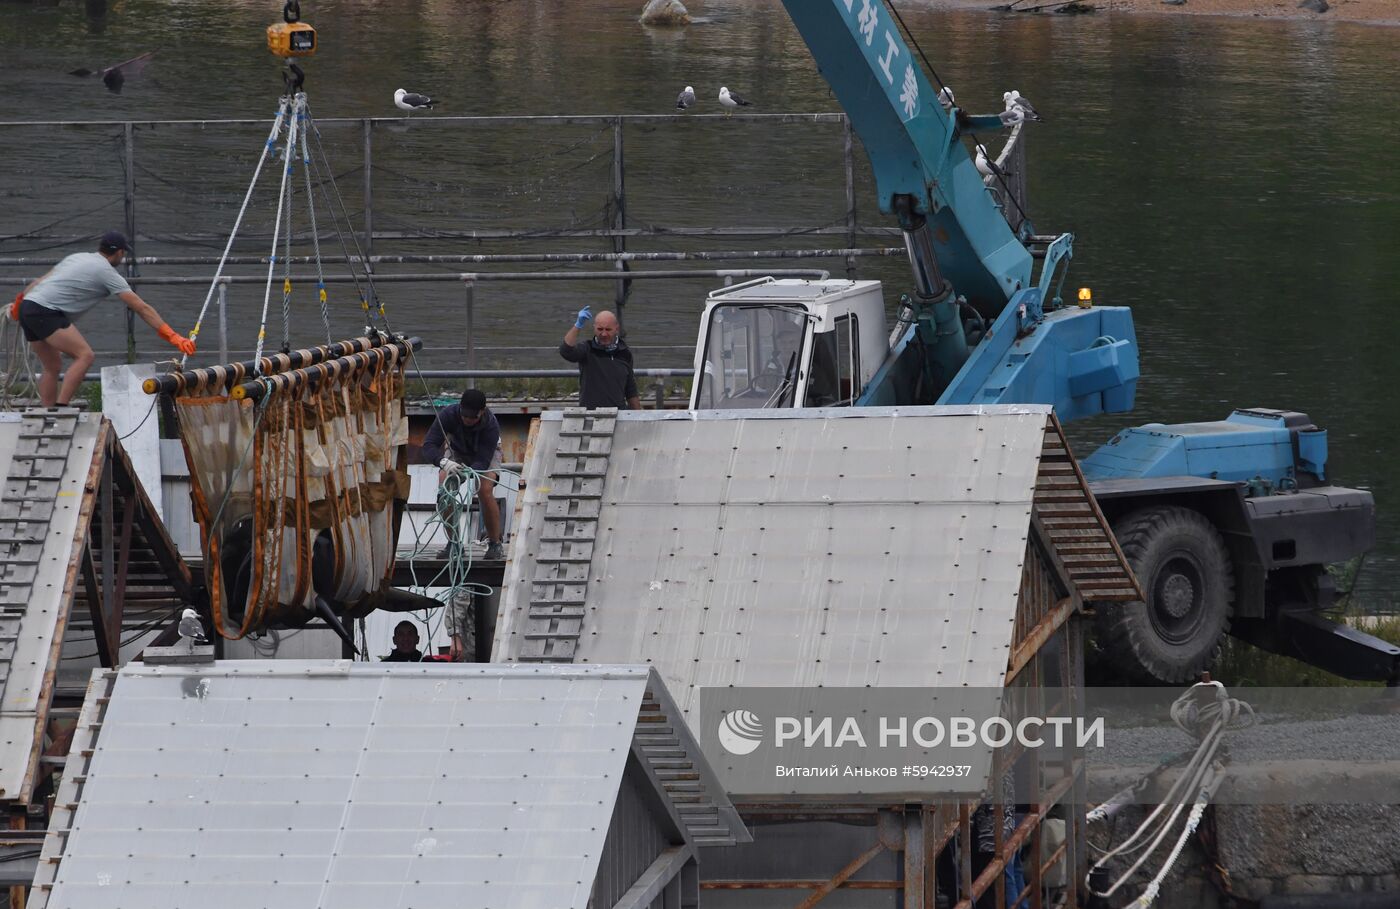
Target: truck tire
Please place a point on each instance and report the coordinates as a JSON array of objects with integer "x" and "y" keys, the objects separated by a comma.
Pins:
[{"x": 1185, "y": 570}]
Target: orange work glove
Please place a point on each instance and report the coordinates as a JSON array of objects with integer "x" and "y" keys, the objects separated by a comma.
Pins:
[
  {"x": 180, "y": 342},
  {"x": 14, "y": 307}
]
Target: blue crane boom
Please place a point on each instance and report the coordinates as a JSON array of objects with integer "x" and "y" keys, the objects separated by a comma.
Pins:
[
  {"x": 922, "y": 170},
  {"x": 965, "y": 256}
]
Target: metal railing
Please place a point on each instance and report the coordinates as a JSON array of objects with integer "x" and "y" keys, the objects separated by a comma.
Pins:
[{"x": 617, "y": 233}]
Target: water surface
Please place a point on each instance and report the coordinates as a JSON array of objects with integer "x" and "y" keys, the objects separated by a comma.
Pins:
[{"x": 1231, "y": 180}]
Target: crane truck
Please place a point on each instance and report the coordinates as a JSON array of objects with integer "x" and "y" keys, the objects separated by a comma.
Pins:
[{"x": 1229, "y": 524}]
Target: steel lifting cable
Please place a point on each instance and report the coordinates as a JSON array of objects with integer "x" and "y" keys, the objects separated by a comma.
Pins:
[
  {"x": 321, "y": 182},
  {"x": 276, "y": 234},
  {"x": 297, "y": 118},
  {"x": 359, "y": 252},
  {"x": 268, "y": 146},
  {"x": 315, "y": 235}
]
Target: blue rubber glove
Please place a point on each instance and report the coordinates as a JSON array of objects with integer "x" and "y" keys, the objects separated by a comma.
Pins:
[{"x": 584, "y": 315}]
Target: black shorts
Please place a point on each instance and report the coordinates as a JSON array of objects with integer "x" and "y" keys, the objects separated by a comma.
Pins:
[{"x": 39, "y": 321}]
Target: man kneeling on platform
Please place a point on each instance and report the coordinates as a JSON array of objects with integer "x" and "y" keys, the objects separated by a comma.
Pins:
[{"x": 467, "y": 435}]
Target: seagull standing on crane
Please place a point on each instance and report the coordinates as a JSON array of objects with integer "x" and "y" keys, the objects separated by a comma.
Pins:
[{"x": 1015, "y": 100}]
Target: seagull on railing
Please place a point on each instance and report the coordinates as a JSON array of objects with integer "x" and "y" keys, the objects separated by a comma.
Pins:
[
  {"x": 987, "y": 167},
  {"x": 412, "y": 101},
  {"x": 685, "y": 99},
  {"x": 945, "y": 97},
  {"x": 731, "y": 100},
  {"x": 1015, "y": 99},
  {"x": 1012, "y": 116}
]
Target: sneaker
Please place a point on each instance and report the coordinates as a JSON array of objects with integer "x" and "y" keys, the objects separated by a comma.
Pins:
[{"x": 494, "y": 552}]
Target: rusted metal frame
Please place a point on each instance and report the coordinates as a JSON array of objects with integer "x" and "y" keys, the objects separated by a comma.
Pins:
[
  {"x": 1001, "y": 768},
  {"x": 1040, "y": 539},
  {"x": 993, "y": 872},
  {"x": 1054, "y": 423},
  {"x": 18, "y": 821},
  {"x": 1035, "y": 882},
  {"x": 799, "y": 885},
  {"x": 1040, "y": 635},
  {"x": 829, "y": 887},
  {"x": 95, "y": 604},
  {"x": 116, "y": 607},
  {"x": 105, "y": 516},
  {"x": 965, "y": 853},
  {"x": 916, "y": 869},
  {"x": 157, "y": 538},
  {"x": 866, "y": 815},
  {"x": 1077, "y": 860},
  {"x": 1033, "y": 879}
]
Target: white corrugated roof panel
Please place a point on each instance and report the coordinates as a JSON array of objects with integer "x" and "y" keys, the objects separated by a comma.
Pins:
[
  {"x": 300, "y": 784},
  {"x": 840, "y": 547}
]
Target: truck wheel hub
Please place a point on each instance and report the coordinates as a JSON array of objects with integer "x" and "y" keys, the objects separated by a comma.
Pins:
[{"x": 1178, "y": 594}]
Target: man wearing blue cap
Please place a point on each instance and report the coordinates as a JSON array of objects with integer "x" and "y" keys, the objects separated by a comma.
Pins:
[{"x": 45, "y": 310}]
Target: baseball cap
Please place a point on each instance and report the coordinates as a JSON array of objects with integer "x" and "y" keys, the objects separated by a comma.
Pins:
[
  {"x": 114, "y": 239},
  {"x": 473, "y": 400}
]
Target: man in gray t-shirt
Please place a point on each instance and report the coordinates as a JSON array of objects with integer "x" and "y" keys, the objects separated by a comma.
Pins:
[{"x": 45, "y": 310}]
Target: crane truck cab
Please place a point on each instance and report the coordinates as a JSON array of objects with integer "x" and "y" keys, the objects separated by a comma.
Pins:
[{"x": 788, "y": 343}]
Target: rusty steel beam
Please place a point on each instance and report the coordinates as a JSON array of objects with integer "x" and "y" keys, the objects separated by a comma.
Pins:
[
  {"x": 97, "y": 610},
  {"x": 799, "y": 885},
  {"x": 117, "y": 607},
  {"x": 993, "y": 872},
  {"x": 829, "y": 887},
  {"x": 1039, "y": 635}
]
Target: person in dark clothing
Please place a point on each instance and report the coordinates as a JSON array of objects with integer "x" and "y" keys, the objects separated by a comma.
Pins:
[
  {"x": 605, "y": 377},
  {"x": 405, "y": 645},
  {"x": 468, "y": 434}
]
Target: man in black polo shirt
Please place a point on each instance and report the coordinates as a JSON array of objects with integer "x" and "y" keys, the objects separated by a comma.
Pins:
[{"x": 605, "y": 376}]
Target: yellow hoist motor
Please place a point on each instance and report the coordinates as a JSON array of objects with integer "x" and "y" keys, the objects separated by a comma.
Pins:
[{"x": 291, "y": 37}]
